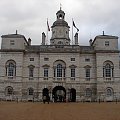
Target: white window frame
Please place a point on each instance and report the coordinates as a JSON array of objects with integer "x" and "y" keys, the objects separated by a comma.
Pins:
[{"x": 11, "y": 69}]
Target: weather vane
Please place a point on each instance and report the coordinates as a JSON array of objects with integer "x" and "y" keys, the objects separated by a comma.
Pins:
[{"x": 60, "y": 6}]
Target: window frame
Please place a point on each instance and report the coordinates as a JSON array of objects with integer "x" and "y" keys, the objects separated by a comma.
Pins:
[
  {"x": 31, "y": 59},
  {"x": 30, "y": 91},
  {"x": 10, "y": 69},
  {"x": 108, "y": 70},
  {"x": 72, "y": 59},
  {"x": 107, "y": 43},
  {"x": 46, "y": 72},
  {"x": 46, "y": 59},
  {"x": 31, "y": 72},
  {"x": 72, "y": 72},
  {"x": 9, "y": 90},
  {"x": 12, "y": 42}
]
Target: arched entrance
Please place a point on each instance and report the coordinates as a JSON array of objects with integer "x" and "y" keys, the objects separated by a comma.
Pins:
[
  {"x": 59, "y": 94},
  {"x": 45, "y": 92},
  {"x": 72, "y": 95}
]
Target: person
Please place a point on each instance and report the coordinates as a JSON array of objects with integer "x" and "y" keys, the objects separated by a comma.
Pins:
[
  {"x": 48, "y": 99},
  {"x": 44, "y": 99}
]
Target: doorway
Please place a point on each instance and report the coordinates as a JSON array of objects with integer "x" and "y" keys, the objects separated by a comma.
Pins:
[{"x": 72, "y": 95}]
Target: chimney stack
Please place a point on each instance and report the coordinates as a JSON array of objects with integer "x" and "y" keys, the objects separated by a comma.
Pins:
[
  {"x": 90, "y": 41},
  {"x": 43, "y": 38},
  {"x": 29, "y": 41},
  {"x": 76, "y": 38}
]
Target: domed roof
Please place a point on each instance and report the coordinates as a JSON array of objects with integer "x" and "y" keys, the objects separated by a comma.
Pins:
[
  {"x": 60, "y": 11},
  {"x": 60, "y": 22}
]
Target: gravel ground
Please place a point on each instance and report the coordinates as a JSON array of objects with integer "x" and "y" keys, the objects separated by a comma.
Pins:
[{"x": 59, "y": 111}]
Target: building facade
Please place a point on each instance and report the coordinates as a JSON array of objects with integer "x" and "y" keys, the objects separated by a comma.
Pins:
[{"x": 60, "y": 70}]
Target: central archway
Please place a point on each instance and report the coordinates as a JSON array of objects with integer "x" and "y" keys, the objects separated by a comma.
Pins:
[{"x": 59, "y": 94}]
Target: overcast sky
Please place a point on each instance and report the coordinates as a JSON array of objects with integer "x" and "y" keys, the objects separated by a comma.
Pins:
[{"x": 29, "y": 17}]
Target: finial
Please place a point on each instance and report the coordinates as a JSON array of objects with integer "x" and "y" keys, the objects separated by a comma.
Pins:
[
  {"x": 16, "y": 32},
  {"x": 60, "y": 6},
  {"x": 103, "y": 33}
]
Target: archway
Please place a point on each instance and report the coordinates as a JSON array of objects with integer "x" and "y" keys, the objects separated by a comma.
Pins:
[
  {"x": 59, "y": 94},
  {"x": 72, "y": 95},
  {"x": 45, "y": 92}
]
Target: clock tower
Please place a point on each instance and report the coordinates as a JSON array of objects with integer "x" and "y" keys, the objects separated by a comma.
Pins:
[{"x": 60, "y": 30}]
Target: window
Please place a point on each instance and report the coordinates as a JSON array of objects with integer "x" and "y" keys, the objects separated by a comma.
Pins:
[
  {"x": 72, "y": 59},
  {"x": 59, "y": 70},
  {"x": 31, "y": 59},
  {"x": 12, "y": 42},
  {"x": 60, "y": 43},
  {"x": 10, "y": 69},
  {"x": 45, "y": 72},
  {"x": 46, "y": 59},
  {"x": 109, "y": 92},
  {"x": 108, "y": 70},
  {"x": 30, "y": 91},
  {"x": 9, "y": 90},
  {"x": 72, "y": 72},
  {"x": 87, "y": 59},
  {"x": 31, "y": 72},
  {"x": 87, "y": 72},
  {"x": 106, "y": 43},
  {"x": 88, "y": 92}
]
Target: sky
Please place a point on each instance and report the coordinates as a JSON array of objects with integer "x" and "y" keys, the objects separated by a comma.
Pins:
[{"x": 29, "y": 17}]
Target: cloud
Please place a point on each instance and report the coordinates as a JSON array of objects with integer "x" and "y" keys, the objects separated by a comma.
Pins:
[{"x": 29, "y": 17}]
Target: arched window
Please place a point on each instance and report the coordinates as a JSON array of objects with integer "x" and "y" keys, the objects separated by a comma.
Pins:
[
  {"x": 88, "y": 92},
  {"x": 109, "y": 92},
  {"x": 30, "y": 91},
  {"x": 9, "y": 90},
  {"x": 108, "y": 69},
  {"x": 10, "y": 69},
  {"x": 59, "y": 69}
]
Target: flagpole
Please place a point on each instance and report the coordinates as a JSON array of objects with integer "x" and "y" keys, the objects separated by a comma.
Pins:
[
  {"x": 72, "y": 31},
  {"x": 47, "y": 33}
]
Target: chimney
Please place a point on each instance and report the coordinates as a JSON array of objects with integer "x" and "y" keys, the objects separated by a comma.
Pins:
[
  {"x": 29, "y": 41},
  {"x": 90, "y": 41},
  {"x": 43, "y": 38},
  {"x": 76, "y": 38}
]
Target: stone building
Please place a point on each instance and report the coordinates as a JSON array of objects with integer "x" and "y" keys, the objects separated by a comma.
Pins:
[{"x": 60, "y": 70}]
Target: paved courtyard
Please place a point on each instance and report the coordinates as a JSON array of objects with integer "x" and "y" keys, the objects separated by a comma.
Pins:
[{"x": 59, "y": 111}]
